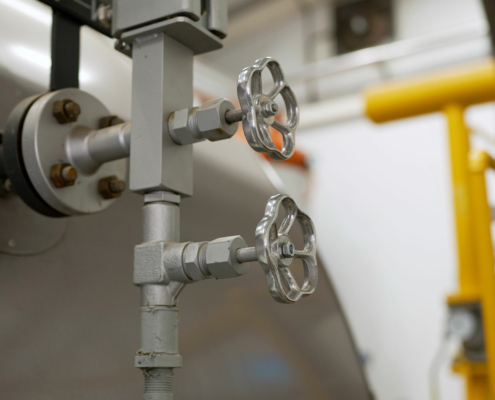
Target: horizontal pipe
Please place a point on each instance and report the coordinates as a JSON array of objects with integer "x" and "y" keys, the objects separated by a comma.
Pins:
[
  {"x": 465, "y": 86},
  {"x": 89, "y": 149},
  {"x": 109, "y": 144}
]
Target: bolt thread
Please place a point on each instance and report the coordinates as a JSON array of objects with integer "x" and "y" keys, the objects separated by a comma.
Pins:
[{"x": 158, "y": 380}]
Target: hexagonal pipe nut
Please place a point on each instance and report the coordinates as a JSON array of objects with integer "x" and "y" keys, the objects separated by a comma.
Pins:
[
  {"x": 220, "y": 257},
  {"x": 210, "y": 120},
  {"x": 179, "y": 127},
  {"x": 193, "y": 260}
]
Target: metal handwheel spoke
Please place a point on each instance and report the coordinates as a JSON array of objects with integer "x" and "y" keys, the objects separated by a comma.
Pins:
[
  {"x": 304, "y": 254},
  {"x": 276, "y": 90},
  {"x": 259, "y": 109},
  {"x": 282, "y": 128},
  {"x": 291, "y": 209},
  {"x": 289, "y": 280},
  {"x": 275, "y": 250}
]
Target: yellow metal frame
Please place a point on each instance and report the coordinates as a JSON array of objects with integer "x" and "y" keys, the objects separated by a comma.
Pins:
[{"x": 451, "y": 92}]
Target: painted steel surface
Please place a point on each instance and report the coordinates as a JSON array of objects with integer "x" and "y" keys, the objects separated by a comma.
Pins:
[{"x": 465, "y": 86}]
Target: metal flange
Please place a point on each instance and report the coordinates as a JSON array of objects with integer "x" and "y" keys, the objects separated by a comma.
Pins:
[{"x": 45, "y": 144}]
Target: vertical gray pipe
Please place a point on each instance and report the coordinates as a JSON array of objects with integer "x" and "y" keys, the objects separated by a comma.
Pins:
[
  {"x": 159, "y": 314},
  {"x": 161, "y": 222}
]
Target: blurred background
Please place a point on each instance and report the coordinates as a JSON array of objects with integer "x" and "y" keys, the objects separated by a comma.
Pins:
[{"x": 380, "y": 195}]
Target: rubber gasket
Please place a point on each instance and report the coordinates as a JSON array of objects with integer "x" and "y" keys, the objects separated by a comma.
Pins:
[{"x": 14, "y": 164}]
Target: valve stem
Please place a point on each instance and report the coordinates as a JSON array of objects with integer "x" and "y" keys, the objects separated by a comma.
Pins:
[
  {"x": 233, "y": 116},
  {"x": 247, "y": 254},
  {"x": 269, "y": 110}
]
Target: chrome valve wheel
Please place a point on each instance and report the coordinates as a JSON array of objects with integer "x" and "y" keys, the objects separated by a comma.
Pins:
[
  {"x": 275, "y": 250},
  {"x": 259, "y": 109}
]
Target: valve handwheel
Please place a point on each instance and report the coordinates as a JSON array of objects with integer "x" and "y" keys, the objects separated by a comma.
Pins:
[
  {"x": 259, "y": 109},
  {"x": 275, "y": 250}
]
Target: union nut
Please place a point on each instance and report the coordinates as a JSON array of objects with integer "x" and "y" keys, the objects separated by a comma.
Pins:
[
  {"x": 221, "y": 260},
  {"x": 208, "y": 121},
  {"x": 216, "y": 259}
]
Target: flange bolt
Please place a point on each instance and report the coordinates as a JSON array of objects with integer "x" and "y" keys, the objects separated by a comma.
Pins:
[
  {"x": 111, "y": 187},
  {"x": 63, "y": 175},
  {"x": 66, "y": 111},
  {"x": 111, "y": 120}
]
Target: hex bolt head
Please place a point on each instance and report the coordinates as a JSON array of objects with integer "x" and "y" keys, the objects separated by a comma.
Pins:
[
  {"x": 66, "y": 111},
  {"x": 63, "y": 175},
  {"x": 111, "y": 120},
  {"x": 111, "y": 187},
  {"x": 270, "y": 109}
]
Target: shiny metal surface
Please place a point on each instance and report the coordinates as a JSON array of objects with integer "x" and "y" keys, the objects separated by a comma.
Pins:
[
  {"x": 162, "y": 76},
  {"x": 256, "y": 122},
  {"x": 271, "y": 243},
  {"x": 188, "y": 126},
  {"x": 89, "y": 149},
  {"x": 44, "y": 145}
]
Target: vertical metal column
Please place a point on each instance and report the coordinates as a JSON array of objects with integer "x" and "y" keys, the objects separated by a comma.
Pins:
[
  {"x": 482, "y": 219},
  {"x": 477, "y": 387},
  {"x": 159, "y": 313},
  {"x": 459, "y": 149},
  {"x": 162, "y": 82}
]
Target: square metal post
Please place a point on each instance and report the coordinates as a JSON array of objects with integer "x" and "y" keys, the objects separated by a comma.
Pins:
[{"x": 162, "y": 82}]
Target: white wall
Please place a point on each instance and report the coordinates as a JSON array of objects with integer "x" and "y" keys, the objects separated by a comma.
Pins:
[{"x": 384, "y": 215}]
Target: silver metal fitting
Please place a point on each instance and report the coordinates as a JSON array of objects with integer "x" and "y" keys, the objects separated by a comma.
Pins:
[
  {"x": 194, "y": 261},
  {"x": 215, "y": 259},
  {"x": 208, "y": 121},
  {"x": 221, "y": 260},
  {"x": 159, "y": 263},
  {"x": 161, "y": 197}
]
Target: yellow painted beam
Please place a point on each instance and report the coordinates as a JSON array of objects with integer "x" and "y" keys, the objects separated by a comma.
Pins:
[
  {"x": 479, "y": 161},
  {"x": 459, "y": 150},
  {"x": 467, "y": 85},
  {"x": 451, "y": 91}
]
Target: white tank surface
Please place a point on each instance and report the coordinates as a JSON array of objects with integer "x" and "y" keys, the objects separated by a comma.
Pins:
[{"x": 69, "y": 320}]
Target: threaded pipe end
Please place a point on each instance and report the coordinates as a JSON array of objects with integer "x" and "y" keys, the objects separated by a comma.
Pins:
[{"x": 158, "y": 380}]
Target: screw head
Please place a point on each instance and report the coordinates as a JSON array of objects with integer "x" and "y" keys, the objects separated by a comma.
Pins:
[
  {"x": 270, "y": 109},
  {"x": 288, "y": 250},
  {"x": 111, "y": 187},
  {"x": 66, "y": 111},
  {"x": 63, "y": 175}
]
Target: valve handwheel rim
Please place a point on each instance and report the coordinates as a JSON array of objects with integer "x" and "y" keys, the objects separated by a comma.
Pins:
[
  {"x": 270, "y": 242},
  {"x": 256, "y": 122}
]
